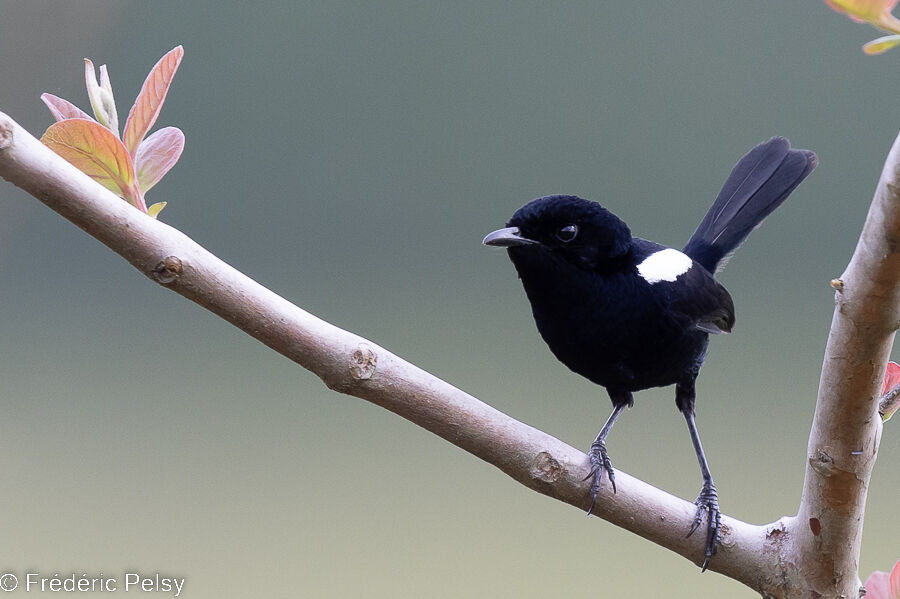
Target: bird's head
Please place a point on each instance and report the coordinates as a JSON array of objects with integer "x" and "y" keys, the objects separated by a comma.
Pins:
[{"x": 578, "y": 231}]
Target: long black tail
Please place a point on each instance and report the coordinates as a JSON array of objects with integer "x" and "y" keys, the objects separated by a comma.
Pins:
[{"x": 759, "y": 183}]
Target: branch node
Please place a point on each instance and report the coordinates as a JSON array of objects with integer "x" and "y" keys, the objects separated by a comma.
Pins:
[
  {"x": 167, "y": 270},
  {"x": 775, "y": 531},
  {"x": 546, "y": 468},
  {"x": 362, "y": 362},
  {"x": 822, "y": 463},
  {"x": 837, "y": 284}
]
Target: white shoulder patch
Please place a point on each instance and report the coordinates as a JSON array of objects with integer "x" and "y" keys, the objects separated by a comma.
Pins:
[{"x": 664, "y": 265}]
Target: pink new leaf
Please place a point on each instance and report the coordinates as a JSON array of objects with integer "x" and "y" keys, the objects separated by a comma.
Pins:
[
  {"x": 881, "y": 585},
  {"x": 156, "y": 155},
  {"x": 895, "y": 580},
  {"x": 877, "y": 585},
  {"x": 63, "y": 109},
  {"x": 890, "y": 395},
  {"x": 891, "y": 380},
  {"x": 150, "y": 100},
  {"x": 96, "y": 151},
  {"x": 101, "y": 96}
]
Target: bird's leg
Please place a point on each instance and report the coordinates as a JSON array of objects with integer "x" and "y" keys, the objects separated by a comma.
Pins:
[
  {"x": 708, "y": 499},
  {"x": 599, "y": 458}
]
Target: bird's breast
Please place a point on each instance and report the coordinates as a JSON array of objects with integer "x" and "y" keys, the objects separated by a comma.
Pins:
[{"x": 612, "y": 328}]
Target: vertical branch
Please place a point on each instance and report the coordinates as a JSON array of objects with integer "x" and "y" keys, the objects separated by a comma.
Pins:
[{"x": 846, "y": 428}]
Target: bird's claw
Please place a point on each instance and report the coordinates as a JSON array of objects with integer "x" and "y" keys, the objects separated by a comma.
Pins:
[
  {"x": 600, "y": 463},
  {"x": 708, "y": 501}
]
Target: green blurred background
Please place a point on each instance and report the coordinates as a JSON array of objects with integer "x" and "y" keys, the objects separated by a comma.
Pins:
[{"x": 350, "y": 156}]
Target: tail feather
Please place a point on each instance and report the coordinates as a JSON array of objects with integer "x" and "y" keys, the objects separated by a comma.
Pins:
[{"x": 757, "y": 185}]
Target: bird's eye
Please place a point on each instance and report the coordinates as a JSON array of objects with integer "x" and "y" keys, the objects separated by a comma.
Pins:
[{"x": 567, "y": 233}]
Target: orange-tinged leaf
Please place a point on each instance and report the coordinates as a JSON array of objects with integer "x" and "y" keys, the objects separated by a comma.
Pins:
[
  {"x": 838, "y": 6},
  {"x": 149, "y": 102},
  {"x": 95, "y": 151},
  {"x": 63, "y": 109},
  {"x": 881, "y": 45},
  {"x": 156, "y": 155},
  {"x": 862, "y": 10}
]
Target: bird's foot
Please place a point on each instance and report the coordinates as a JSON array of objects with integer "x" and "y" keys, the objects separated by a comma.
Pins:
[
  {"x": 708, "y": 501},
  {"x": 599, "y": 464}
]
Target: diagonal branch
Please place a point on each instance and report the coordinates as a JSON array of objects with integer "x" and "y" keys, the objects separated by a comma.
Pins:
[{"x": 350, "y": 364}]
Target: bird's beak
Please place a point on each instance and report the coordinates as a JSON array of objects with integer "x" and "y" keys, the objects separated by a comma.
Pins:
[{"x": 506, "y": 238}]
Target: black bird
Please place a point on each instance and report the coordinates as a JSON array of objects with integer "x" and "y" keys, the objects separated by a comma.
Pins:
[{"x": 629, "y": 314}]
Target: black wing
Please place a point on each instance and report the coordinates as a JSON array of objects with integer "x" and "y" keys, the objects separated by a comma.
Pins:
[
  {"x": 694, "y": 299},
  {"x": 703, "y": 301}
]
